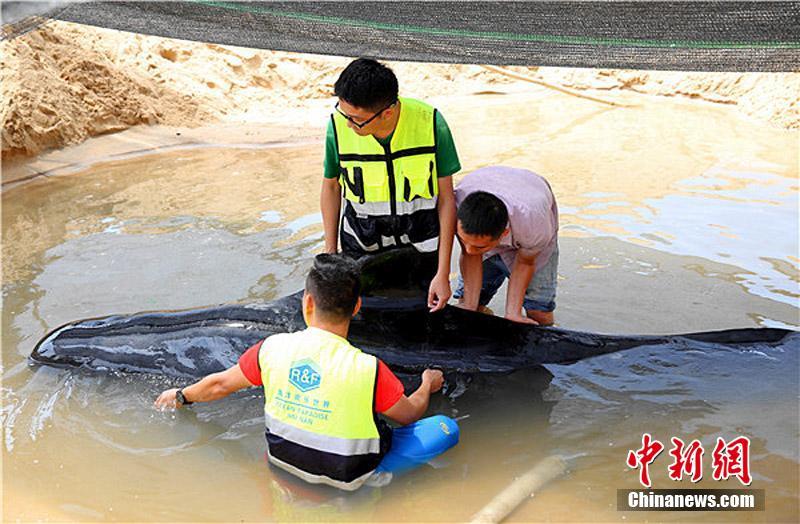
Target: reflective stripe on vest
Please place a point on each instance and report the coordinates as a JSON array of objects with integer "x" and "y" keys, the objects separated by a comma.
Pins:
[
  {"x": 397, "y": 180},
  {"x": 319, "y": 479},
  {"x": 318, "y": 407}
]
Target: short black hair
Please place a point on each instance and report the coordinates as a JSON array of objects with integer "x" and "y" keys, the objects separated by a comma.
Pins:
[
  {"x": 483, "y": 214},
  {"x": 367, "y": 83},
  {"x": 335, "y": 283}
]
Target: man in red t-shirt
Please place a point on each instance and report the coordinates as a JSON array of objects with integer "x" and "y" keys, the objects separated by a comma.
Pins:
[
  {"x": 321, "y": 393},
  {"x": 388, "y": 388}
]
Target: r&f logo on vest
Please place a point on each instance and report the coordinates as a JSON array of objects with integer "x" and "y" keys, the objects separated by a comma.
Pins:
[{"x": 305, "y": 375}]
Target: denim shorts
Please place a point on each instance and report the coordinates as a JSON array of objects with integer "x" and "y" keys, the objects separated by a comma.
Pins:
[{"x": 541, "y": 292}]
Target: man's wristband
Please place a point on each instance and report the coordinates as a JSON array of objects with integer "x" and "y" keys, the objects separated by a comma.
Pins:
[{"x": 179, "y": 396}]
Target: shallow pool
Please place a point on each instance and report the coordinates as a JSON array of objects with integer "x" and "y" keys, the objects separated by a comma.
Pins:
[{"x": 675, "y": 217}]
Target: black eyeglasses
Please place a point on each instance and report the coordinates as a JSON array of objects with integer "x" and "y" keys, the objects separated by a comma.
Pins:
[{"x": 365, "y": 122}]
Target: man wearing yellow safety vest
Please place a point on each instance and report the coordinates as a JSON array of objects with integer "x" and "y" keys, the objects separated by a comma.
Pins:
[
  {"x": 390, "y": 159},
  {"x": 322, "y": 395}
]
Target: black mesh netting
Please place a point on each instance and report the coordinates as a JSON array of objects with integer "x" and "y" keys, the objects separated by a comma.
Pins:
[{"x": 689, "y": 36}]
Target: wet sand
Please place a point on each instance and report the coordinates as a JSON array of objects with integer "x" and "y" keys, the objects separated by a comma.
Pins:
[{"x": 63, "y": 83}]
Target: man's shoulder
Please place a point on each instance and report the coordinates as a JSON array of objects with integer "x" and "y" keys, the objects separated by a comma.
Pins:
[
  {"x": 362, "y": 356},
  {"x": 420, "y": 105},
  {"x": 281, "y": 338},
  {"x": 412, "y": 100},
  {"x": 499, "y": 172},
  {"x": 330, "y": 131},
  {"x": 308, "y": 340},
  {"x": 504, "y": 181},
  {"x": 489, "y": 179},
  {"x": 347, "y": 345}
]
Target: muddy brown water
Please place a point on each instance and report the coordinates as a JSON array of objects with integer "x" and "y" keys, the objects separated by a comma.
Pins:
[{"x": 675, "y": 217}]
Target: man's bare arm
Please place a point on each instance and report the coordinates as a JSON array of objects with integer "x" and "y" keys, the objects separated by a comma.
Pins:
[
  {"x": 521, "y": 275},
  {"x": 408, "y": 410},
  {"x": 471, "y": 267},
  {"x": 330, "y": 201},
  {"x": 212, "y": 387},
  {"x": 439, "y": 292}
]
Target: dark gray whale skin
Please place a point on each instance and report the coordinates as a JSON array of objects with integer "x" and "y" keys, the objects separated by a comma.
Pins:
[{"x": 401, "y": 332}]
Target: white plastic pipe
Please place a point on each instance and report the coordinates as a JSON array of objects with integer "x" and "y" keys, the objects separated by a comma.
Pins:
[{"x": 523, "y": 487}]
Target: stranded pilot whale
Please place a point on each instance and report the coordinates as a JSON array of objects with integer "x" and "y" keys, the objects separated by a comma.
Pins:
[{"x": 394, "y": 325}]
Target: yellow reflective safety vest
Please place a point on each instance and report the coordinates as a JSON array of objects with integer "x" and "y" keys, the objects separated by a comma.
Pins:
[
  {"x": 319, "y": 408},
  {"x": 390, "y": 192}
]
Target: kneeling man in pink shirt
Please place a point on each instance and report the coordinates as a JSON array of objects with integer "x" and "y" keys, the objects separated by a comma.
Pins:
[{"x": 508, "y": 228}]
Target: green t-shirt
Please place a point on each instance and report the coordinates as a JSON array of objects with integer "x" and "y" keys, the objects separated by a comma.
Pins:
[{"x": 447, "y": 162}]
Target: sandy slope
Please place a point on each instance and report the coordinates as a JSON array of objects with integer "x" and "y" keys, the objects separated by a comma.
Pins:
[{"x": 64, "y": 83}]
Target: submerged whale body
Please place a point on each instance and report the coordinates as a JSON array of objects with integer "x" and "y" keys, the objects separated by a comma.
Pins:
[{"x": 399, "y": 331}]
